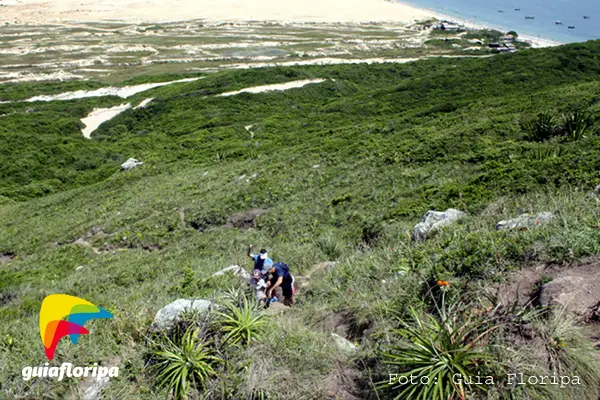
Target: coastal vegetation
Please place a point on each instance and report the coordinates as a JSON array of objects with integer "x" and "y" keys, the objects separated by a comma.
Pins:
[{"x": 341, "y": 171}]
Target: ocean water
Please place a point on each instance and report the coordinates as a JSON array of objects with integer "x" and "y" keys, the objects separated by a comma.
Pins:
[{"x": 501, "y": 14}]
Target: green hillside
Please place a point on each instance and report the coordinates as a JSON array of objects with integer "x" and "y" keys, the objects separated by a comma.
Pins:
[{"x": 340, "y": 171}]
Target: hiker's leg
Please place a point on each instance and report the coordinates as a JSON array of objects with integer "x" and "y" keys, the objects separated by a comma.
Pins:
[
  {"x": 288, "y": 301},
  {"x": 288, "y": 295}
]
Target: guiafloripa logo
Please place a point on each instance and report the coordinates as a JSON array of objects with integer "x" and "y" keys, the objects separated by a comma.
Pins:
[{"x": 62, "y": 315}]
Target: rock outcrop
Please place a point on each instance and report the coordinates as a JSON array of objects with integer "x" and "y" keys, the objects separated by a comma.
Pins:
[
  {"x": 525, "y": 221},
  {"x": 434, "y": 220},
  {"x": 167, "y": 317},
  {"x": 344, "y": 344},
  {"x": 130, "y": 164},
  {"x": 234, "y": 269}
]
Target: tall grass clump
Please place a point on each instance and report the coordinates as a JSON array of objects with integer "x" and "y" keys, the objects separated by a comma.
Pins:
[{"x": 329, "y": 245}]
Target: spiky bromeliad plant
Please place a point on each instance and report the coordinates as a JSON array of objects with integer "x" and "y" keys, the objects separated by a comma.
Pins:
[
  {"x": 185, "y": 363},
  {"x": 575, "y": 124},
  {"x": 441, "y": 353},
  {"x": 241, "y": 323}
]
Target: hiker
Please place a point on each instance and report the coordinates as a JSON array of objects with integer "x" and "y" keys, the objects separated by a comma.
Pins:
[
  {"x": 281, "y": 277},
  {"x": 258, "y": 282},
  {"x": 262, "y": 261}
]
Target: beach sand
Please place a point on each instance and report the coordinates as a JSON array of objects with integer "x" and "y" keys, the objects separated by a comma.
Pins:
[
  {"x": 38, "y": 12},
  {"x": 156, "y": 11}
]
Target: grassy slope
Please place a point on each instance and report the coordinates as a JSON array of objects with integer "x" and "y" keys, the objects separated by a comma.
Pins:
[{"x": 392, "y": 141}]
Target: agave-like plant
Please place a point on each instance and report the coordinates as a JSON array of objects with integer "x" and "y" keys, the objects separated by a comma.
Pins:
[
  {"x": 543, "y": 127},
  {"x": 189, "y": 362},
  {"x": 241, "y": 324},
  {"x": 440, "y": 353},
  {"x": 575, "y": 124}
]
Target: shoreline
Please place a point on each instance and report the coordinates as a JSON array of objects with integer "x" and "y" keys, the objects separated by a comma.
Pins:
[
  {"x": 536, "y": 42},
  {"x": 67, "y": 12}
]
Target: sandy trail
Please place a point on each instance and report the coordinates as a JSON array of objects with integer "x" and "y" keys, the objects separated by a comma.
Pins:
[
  {"x": 274, "y": 87},
  {"x": 136, "y": 11}
]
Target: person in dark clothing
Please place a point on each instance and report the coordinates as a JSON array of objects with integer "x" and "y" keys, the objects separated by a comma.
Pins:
[
  {"x": 281, "y": 277},
  {"x": 262, "y": 261}
]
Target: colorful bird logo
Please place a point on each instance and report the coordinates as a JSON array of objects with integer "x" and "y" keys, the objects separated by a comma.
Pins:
[{"x": 62, "y": 315}]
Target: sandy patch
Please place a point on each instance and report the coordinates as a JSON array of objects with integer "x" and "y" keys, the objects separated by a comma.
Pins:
[
  {"x": 122, "y": 92},
  {"x": 34, "y": 11},
  {"x": 275, "y": 87},
  {"x": 16, "y": 77},
  {"x": 144, "y": 103},
  {"x": 100, "y": 115}
]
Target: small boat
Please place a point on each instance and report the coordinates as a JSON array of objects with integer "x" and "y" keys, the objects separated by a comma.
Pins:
[
  {"x": 529, "y": 17},
  {"x": 558, "y": 23},
  {"x": 571, "y": 27},
  {"x": 586, "y": 17},
  {"x": 517, "y": 9},
  {"x": 500, "y": 11}
]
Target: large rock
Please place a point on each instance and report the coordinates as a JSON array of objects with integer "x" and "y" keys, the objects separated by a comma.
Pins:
[
  {"x": 434, "y": 220},
  {"x": 525, "y": 221},
  {"x": 343, "y": 344},
  {"x": 234, "y": 269},
  {"x": 130, "y": 164},
  {"x": 167, "y": 317}
]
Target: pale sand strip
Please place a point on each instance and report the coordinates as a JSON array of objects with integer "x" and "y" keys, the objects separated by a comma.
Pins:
[
  {"x": 135, "y": 11},
  {"x": 274, "y": 87},
  {"x": 122, "y": 92},
  {"x": 99, "y": 116}
]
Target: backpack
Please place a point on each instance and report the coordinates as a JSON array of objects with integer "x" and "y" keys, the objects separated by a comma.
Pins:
[{"x": 283, "y": 266}]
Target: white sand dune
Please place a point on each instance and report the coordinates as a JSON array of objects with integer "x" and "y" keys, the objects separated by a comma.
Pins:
[
  {"x": 274, "y": 87},
  {"x": 123, "y": 92},
  {"x": 100, "y": 115},
  {"x": 135, "y": 11}
]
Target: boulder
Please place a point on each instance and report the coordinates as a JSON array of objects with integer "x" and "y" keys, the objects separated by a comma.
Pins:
[
  {"x": 525, "y": 221},
  {"x": 343, "y": 344},
  {"x": 130, "y": 164},
  {"x": 434, "y": 220},
  {"x": 234, "y": 269},
  {"x": 167, "y": 317},
  {"x": 94, "y": 390}
]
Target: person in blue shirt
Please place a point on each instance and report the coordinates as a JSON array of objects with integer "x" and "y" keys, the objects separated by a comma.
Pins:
[
  {"x": 281, "y": 277},
  {"x": 262, "y": 261}
]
